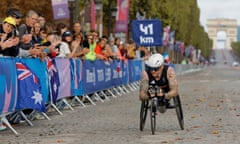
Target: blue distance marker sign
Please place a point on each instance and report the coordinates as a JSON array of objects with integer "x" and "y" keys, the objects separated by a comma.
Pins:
[{"x": 147, "y": 32}]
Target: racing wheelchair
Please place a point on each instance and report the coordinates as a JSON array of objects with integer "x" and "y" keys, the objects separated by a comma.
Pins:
[{"x": 156, "y": 103}]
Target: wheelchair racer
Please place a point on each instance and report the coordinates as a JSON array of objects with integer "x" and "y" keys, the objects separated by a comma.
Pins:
[{"x": 159, "y": 74}]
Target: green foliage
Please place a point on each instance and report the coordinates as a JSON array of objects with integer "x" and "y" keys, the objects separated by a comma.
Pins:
[{"x": 236, "y": 48}]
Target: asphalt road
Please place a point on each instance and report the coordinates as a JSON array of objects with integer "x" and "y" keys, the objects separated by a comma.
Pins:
[{"x": 210, "y": 101}]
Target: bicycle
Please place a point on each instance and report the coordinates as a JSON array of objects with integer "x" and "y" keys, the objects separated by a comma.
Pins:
[{"x": 159, "y": 103}]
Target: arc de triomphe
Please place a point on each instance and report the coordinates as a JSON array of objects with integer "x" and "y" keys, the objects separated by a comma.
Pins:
[{"x": 229, "y": 26}]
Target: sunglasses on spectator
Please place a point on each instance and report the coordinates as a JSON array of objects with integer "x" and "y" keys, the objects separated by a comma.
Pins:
[{"x": 16, "y": 17}]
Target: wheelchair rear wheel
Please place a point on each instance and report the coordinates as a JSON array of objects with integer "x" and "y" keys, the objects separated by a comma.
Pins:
[
  {"x": 143, "y": 114},
  {"x": 179, "y": 111}
]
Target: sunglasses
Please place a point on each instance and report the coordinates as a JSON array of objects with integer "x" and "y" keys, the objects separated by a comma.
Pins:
[
  {"x": 17, "y": 17},
  {"x": 153, "y": 68}
]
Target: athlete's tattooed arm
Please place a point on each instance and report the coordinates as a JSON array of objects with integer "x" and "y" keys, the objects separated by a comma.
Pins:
[
  {"x": 143, "y": 88},
  {"x": 173, "y": 84}
]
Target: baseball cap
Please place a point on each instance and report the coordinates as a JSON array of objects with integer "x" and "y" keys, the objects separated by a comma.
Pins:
[
  {"x": 10, "y": 20},
  {"x": 66, "y": 33},
  {"x": 14, "y": 13}
]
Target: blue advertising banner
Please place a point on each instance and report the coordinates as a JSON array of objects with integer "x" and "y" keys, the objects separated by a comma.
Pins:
[
  {"x": 138, "y": 70},
  {"x": 125, "y": 70},
  {"x": 147, "y": 32},
  {"x": 135, "y": 70},
  {"x": 96, "y": 76},
  {"x": 8, "y": 85},
  {"x": 108, "y": 75},
  {"x": 89, "y": 77},
  {"x": 117, "y": 73}
]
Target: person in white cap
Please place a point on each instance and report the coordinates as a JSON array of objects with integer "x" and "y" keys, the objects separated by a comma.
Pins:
[{"x": 161, "y": 75}]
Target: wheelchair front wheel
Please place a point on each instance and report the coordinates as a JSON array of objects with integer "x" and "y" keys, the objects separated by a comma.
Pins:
[{"x": 153, "y": 116}]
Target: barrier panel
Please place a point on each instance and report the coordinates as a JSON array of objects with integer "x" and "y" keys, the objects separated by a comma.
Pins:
[
  {"x": 39, "y": 68},
  {"x": 94, "y": 75},
  {"x": 63, "y": 66},
  {"x": 31, "y": 84},
  {"x": 135, "y": 70},
  {"x": 99, "y": 75},
  {"x": 76, "y": 77},
  {"x": 119, "y": 74},
  {"x": 73, "y": 78},
  {"x": 8, "y": 85}
]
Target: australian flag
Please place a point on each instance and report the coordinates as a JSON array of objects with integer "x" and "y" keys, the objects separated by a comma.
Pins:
[
  {"x": 53, "y": 79},
  {"x": 29, "y": 89}
]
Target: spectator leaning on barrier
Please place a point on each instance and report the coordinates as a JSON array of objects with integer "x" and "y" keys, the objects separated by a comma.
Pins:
[
  {"x": 64, "y": 48},
  {"x": 77, "y": 28},
  {"x": 25, "y": 30},
  {"x": 36, "y": 39},
  {"x": 108, "y": 49},
  {"x": 41, "y": 19},
  {"x": 144, "y": 52},
  {"x": 61, "y": 28},
  {"x": 131, "y": 50},
  {"x": 92, "y": 45},
  {"x": 100, "y": 49},
  {"x": 26, "y": 48},
  {"x": 120, "y": 51},
  {"x": 55, "y": 42},
  {"x": 16, "y": 14},
  {"x": 77, "y": 46},
  {"x": 116, "y": 45},
  {"x": 43, "y": 45},
  {"x": 43, "y": 33},
  {"x": 123, "y": 49},
  {"x": 162, "y": 75},
  {"x": 9, "y": 39},
  {"x": 95, "y": 35}
]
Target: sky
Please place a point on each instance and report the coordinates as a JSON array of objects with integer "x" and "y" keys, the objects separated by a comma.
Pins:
[{"x": 211, "y": 9}]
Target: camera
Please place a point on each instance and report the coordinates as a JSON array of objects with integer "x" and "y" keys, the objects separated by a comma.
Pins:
[
  {"x": 153, "y": 88},
  {"x": 58, "y": 46},
  {"x": 14, "y": 33}
]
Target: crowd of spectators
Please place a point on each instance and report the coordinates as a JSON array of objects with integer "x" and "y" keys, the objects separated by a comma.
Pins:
[{"x": 32, "y": 36}]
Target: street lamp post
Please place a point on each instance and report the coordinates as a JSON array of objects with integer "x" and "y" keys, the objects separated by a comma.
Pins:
[
  {"x": 113, "y": 15},
  {"x": 109, "y": 17},
  {"x": 71, "y": 7},
  {"x": 99, "y": 9}
]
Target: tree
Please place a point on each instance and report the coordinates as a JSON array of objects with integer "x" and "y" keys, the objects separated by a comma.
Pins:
[{"x": 43, "y": 7}]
